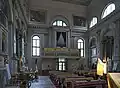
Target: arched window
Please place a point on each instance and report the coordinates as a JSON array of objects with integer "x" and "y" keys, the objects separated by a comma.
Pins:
[
  {"x": 59, "y": 23},
  {"x": 35, "y": 46},
  {"x": 93, "y": 21},
  {"x": 110, "y": 8},
  {"x": 81, "y": 47}
]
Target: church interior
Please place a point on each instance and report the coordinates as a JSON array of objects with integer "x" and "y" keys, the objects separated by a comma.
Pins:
[{"x": 59, "y": 43}]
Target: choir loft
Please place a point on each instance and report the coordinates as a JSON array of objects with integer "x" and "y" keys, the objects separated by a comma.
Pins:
[{"x": 59, "y": 43}]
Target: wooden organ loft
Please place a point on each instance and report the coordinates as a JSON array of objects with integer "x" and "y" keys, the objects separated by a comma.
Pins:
[
  {"x": 57, "y": 52},
  {"x": 15, "y": 44}
]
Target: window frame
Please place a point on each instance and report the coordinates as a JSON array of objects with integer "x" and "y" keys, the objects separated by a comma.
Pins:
[
  {"x": 36, "y": 47},
  {"x": 103, "y": 11},
  {"x": 63, "y": 22},
  {"x": 81, "y": 49},
  {"x": 92, "y": 22},
  {"x": 63, "y": 66},
  {"x": 83, "y": 19}
]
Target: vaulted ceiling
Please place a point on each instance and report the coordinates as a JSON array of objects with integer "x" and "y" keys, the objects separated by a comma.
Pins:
[{"x": 78, "y": 2}]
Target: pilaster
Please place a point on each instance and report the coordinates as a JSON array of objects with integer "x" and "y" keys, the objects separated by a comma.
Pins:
[
  {"x": 98, "y": 44},
  {"x": 2, "y": 82},
  {"x": 50, "y": 37},
  {"x": 116, "y": 59}
]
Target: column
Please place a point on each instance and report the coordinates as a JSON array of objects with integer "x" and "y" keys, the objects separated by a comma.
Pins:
[
  {"x": 54, "y": 41},
  {"x": 50, "y": 37},
  {"x": 0, "y": 40},
  {"x": 39, "y": 64},
  {"x": 101, "y": 45},
  {"x": 72, "y": 42},
  {"x": 2, "y": 81},
  {"x": 2, "y": 65},
  {"x": 69, "y": 39},
  {"x": 116, "y": 59},
  {"x": 75, "y": 42},
  {"x": 98, "y": 45}
]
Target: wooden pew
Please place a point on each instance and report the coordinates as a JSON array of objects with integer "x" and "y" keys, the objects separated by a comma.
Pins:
[
  {"x": 59, "y": 77},
  {"x": 87, "y": 84},
  {"x": 65, "y": 78},
  {"x": 68, "y": 81}
]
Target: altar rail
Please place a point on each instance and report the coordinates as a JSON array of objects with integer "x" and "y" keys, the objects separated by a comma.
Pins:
[{"x": 60, "y": 52}]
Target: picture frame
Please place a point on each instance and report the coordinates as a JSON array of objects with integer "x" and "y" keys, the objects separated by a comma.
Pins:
[
  {"x": 79, "y": 21},
  {"x": 37, "y": 16}
]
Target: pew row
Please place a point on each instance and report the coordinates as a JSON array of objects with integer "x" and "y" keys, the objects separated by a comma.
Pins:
[
  {"x": 89, "y": 84},
  {"x": 69, "y": 80}
]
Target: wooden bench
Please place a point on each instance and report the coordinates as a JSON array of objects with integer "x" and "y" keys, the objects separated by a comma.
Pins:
[
  {"x": 87, "y": 84},
  {"x": 66, "y": 79}
]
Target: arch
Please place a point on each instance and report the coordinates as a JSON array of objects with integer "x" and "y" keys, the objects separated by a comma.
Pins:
[
  {"x": 108, "y": 10},
  {"x": 35, "y": 37},
  {"x": 103, "y": 32},
  {"x": 61, "y": 18},
  {"x": 93, "y": 52},
  {"x": 93, "y": 41},
  {"x": 93, "y": 22},
  {"x": 17, "y": 23},
  {"x": 59, "y": 23},
  {"x": 35, "y": 45}
]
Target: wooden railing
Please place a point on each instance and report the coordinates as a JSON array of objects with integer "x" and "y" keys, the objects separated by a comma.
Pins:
[{"x": 60, "y": 52}]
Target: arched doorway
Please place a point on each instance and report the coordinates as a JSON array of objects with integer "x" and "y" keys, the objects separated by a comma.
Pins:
[{"x": 93, "y": 53}]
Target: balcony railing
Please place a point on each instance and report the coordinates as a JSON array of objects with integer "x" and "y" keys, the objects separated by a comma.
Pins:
[{"x": 56, "y": 52}]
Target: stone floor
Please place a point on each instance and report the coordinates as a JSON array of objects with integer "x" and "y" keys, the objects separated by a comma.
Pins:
[
  {"x": 12, "y": 87},
  {"x": 43, "y": 82}
]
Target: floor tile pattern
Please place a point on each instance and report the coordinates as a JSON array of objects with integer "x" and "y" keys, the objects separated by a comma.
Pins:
[{"x": 43, "y": 82}]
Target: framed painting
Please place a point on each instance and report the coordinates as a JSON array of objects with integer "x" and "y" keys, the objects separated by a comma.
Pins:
[
  {"x": 38, "y": 16},
  {"x": 79, "y": 21}
]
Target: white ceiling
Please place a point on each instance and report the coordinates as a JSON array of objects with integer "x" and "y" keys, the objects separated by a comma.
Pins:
[{"x": 78, "y": 2}]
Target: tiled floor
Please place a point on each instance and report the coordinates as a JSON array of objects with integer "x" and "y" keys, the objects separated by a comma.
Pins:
[{"x": 43, "y": 82}]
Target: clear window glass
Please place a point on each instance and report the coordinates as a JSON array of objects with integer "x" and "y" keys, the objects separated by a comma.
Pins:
[
  {"x": 110, "y": 8},
  {"x": 62, "y": 64},
  {"x": 93, "y": 22},
  {"x": 36, "y": 46},
  {"x": 64, "y": 24},
  {"x": 55, "y": 23},
  {"x": 81, "y": 47},
  {"x": 59, "y": 23}
]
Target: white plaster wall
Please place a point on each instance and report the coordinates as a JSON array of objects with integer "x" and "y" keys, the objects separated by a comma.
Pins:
[
  {"x": 46, "y": 40},
  {"x": 73, "y": 63},
  {"x": 50, "y": 62},
  {"x": 95, "y": 9},
  {"x": 44, "y": 36},
  {"x": 97, "y": 6},
  {"x": 54, "y": 9},
  {"x": 58, "y": 8},
  {"x": 31, "y": 60}
]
